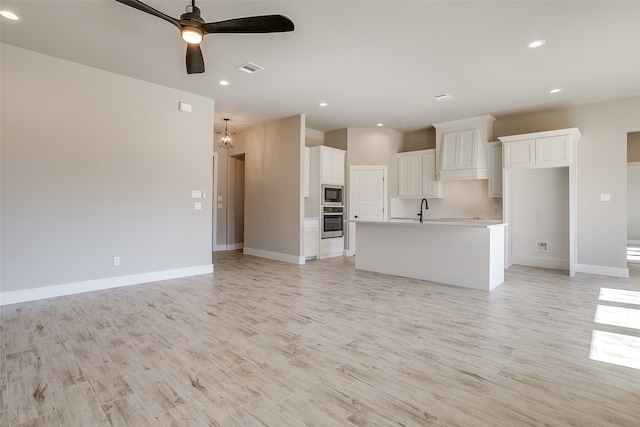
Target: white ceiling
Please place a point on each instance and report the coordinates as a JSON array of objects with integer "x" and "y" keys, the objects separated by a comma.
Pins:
[{"x": 371, "y": 61}]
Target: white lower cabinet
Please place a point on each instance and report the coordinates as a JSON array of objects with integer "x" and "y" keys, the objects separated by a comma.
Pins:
[
  {"x": 331, "y": 247},
  {"x": 311, "y": 237}
]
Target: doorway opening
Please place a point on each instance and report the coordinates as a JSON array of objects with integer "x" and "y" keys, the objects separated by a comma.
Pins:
[{"x": 235, "y": 202}]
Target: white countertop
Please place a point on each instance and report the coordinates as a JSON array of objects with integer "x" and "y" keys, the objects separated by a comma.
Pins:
[{"x": 462, "y": 222}]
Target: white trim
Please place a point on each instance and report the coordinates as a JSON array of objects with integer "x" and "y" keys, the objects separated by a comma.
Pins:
[
  {"x": 230, "y": 247},
  {"x": 553, "y": 263},
  {"x": 633, "y": 242},
  {"x": 100, "y": 284},
  {"x": 214, "y": 203},
  {"x": 274, "y": 255},
  {"x": 633, "y": 164},
  {"x": 602, "y": 270}
]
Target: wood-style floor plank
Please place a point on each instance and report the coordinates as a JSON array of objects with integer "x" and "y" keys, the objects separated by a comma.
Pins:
[{"x": 262, "y": 342}]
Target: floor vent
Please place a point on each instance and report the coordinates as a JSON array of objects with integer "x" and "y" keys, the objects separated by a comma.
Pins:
[{"x": 250, "y": 68}]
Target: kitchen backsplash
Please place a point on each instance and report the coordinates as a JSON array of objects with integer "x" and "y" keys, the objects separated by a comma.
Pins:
[{"x": 461, "y": 199}]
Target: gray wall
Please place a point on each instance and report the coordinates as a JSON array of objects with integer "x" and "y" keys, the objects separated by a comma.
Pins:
[
  {"x": 540, "y": 203},
  {"x": 274, "y": 202},
  {"x": 601, "y": 168},
  {"x": 96, "y": 165}
]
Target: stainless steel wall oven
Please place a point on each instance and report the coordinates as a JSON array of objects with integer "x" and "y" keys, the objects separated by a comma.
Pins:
[{"x": 332, "y": 222}]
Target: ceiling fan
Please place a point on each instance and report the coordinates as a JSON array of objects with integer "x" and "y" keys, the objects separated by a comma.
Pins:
[{"x": 193, "y": 28}]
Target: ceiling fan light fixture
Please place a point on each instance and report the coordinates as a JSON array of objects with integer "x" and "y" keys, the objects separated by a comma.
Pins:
[
  {"x": 226, "y": 139},
  {"x": 191, "y": 35}
]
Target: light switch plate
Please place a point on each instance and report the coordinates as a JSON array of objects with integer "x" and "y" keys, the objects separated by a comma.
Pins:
[
  {"x": 197, "y": 206},
  {"x": 196, "y": 194},
  {"x": 605, "y": 197},
  {"x": 184, "y": 107}
]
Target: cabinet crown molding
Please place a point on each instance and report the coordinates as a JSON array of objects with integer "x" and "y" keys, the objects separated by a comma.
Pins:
[{"x": 573, "y": 132}]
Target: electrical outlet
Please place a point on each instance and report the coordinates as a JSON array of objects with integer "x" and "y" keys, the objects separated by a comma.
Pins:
[
  {"x": 541, "y": 246},
  {"x": 116, "y": 260}
]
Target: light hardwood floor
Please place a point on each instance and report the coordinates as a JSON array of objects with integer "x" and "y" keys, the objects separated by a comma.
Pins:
[{"x": 262, "y": 342}]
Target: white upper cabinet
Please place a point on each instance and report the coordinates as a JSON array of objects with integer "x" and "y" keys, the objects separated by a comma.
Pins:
[
  {"x": 416, "y": 174},
  {"x": 307, "y": 167},
  {"x": 409, "y": 175},
  {"x": 331, "y": 165},
  {"x": 494, "y": 158},
  {"x": 430, "y": 187},
  {"x": 460, "y": 148},
  {"x": 541, "y": 149}
]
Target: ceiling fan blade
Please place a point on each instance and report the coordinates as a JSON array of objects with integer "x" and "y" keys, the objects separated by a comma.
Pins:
[
  {"x": 195, "y": 61},
  {"x": 251, "y": 24},
  {"x": 151, "y": 11}
]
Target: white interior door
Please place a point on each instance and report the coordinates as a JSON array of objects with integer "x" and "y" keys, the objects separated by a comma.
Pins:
[{"x": 367, "y": 197}]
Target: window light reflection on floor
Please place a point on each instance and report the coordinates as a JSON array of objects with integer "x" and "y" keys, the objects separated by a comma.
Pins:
[
  {"x": 617, "y": 316},
  {"x": 619, "y": 295},
  {"x": 617, "y": 349}
]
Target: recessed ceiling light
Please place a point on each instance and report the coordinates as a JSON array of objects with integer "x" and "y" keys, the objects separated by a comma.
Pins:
[
  {"x": 556, "y": 90},
  {"x": 323, "y": 104},
  {"x": 535, "y": 44},
  {"x": 9, "y": 15},
  {"x": 380, "y": 124},
  {"x": 223, "y": 83},
  {"x": 443, "y": 97}
]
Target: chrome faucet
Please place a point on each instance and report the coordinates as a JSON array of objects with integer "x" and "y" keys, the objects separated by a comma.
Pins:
[{"x": 426, "y": 204}]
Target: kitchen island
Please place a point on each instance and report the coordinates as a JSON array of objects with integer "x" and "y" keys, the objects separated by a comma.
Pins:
[{"x": 467, "y": 253}]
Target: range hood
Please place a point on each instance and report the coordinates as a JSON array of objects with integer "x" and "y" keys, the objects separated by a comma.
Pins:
[{"x": 461, "y": 148}]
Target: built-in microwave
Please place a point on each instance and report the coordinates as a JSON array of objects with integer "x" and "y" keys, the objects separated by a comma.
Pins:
[{"x": 332, "y": 195}]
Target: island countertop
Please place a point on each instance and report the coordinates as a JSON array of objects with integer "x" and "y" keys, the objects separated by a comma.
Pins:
[{"x": 455, "y": 222}]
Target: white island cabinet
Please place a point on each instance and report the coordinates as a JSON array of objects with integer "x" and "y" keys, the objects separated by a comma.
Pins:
[{"x": 461, "y": 253}]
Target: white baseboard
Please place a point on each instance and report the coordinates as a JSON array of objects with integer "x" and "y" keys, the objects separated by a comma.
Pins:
[
  {"x": 230, "y": 247},
  {"x": 633, "y": 242},
  {"x": 274, "y": 255},
  {"x": 348, "y": 252},
  {"x": 556, "y": 264},
  {"x": 602, "y": 270},
  {"x": 25, "y": 295}
]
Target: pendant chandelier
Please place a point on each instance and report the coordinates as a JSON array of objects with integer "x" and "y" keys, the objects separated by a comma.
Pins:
[{"x": 226, "y": 139}]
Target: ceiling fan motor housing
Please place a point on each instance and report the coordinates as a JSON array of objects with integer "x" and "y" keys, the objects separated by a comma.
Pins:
[{"x": 192, "y": 13}]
